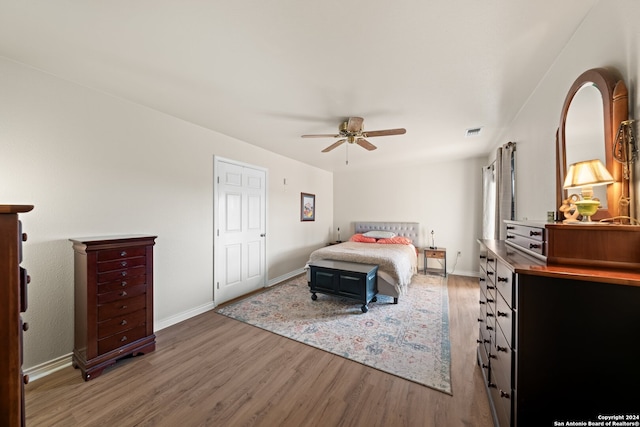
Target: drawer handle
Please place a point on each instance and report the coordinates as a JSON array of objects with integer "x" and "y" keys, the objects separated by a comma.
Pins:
[
  {"x": 490, "y": 259},
  {"x": 123, "y": 294},
  {"x": 123, "y": 263},
  {"x": 503, "y": 279},
  {"x": 479, "y": 341},
  {"x": 485, "y": 366},
  {"x": 123, "y": 339},
  {"x": 123, "y": 307},
  {"x": 483, "y": 257},
  {"x": 491, "y": 385},
  {"x": 533, "y": 246},
  {"x": 493, "y": 356},
  {"x": 489, "y": 328},
  {"x": 504, "y": 349},
  {"x": 504, "y": 394},
  {"x": 490, "y": 273},
  {"x": 501, "y": 314},
  {"x": 124, "y": 322},
  {"x": 490, "y": 300},
  {"x": 123, "y": 284},
  {"x": 480, "y": 320},
  {"x": 123, "y": 253},
  {"x": 491, "y": 287},
  {"x": 510, "y": 227},
  {"x": 25, "y": 326},
  {"x": 489, "y": 314},
  {"x": 25, "y": 379},
  {"x": 534, "y": 233},
  {"x": 482, "y": 279},
  {"x": 124, "y": 273},
  {"x": 482, "y": 302},
  {"x": 509, "y": 236},
  {"x": 487, "y": 341}
]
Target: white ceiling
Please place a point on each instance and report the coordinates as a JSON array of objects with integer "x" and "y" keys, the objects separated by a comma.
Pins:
[{"x": 266, "y": 72}]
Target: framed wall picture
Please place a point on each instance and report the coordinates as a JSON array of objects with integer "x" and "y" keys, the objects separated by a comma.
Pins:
[{"x": 307, "y": 207}]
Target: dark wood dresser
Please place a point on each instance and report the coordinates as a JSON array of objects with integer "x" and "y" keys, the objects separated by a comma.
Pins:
[
  {"x": 113, "y": 300},
  {"x": 13, "y": 300},
  {"x": 557, "y": 343}
]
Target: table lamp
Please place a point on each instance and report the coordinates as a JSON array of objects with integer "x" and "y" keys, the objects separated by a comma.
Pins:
[{"x": 585, "y": 175}]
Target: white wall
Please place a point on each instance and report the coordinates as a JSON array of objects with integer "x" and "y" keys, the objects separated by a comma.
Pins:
[
  {"x": 94, "y": 165},
  {"x": 608, "y": 37},
  {"x": 443, "y": 197}
]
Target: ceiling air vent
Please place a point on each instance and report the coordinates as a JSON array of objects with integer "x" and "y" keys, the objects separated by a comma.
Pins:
[{"x": 473, "y": 132}]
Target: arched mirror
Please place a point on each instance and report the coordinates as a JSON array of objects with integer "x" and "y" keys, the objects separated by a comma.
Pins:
[{"x": 593, "y": 109}]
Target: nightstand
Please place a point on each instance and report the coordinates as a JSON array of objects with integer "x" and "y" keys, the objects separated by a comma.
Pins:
[{"x": 437, "y": 253}]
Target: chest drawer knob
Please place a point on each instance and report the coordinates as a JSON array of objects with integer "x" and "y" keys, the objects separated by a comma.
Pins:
[
  {"x": 123, "y": 307},
  {"x": 480, "y": 320},
  {"x": 491, "y": 287},
  {"x": 124, "y": 322},
  {"x": 124, "y": 273},
  {"x": 123, "y": 284},
  {"x": 123, "y": 294},
  {"x": 25, "y": 379},
  {"x": 482, "y": 279},
  {"x": 489, "y": 314},
  {"x": 479, "y": 341},
  {"x": 503, "y": 279},
  {"x": 123, "y": 263},
  {"x": 502, "y": 314},
  {"x": 482, "y": 302},
  {"x": 123, "y": 339},
  {"x": 503, "y": 349},
  {"x": 123, "y": 253},
  {"x": 489, "y": 328},
  {"x": 490, "y": 300},
  {"x": 490, "y": 273},
  {"x": 504, "y": 394},
  {"x": 25, "y": 326}
]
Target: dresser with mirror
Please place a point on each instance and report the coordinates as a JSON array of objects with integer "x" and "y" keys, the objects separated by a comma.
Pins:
[{"x": 559, "y": 323}]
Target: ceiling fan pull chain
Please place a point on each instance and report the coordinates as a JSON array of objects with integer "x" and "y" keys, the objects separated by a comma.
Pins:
[{"x": 347, "y": 162}]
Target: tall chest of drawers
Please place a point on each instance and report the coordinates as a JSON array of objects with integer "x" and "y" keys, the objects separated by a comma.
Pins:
[
  {"x": 13, "y": 301},
  {"x": 557, "y": 343},
  {"x": 113, "y": 300}
]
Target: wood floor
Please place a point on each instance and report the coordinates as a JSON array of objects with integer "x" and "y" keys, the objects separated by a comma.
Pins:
[{"x": 214, "y": 371}]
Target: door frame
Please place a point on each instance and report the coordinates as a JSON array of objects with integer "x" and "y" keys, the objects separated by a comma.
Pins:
[{"x": 216, "y": 160}]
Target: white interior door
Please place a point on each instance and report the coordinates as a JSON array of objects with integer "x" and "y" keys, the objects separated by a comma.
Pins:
[{"x": 239, "y": 248}]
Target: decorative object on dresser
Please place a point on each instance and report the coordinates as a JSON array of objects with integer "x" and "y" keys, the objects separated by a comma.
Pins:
[
  {"x": 13, "y": 298},
  {"x": 585, "y": 175},
  {"x": 113, "y": 300}
]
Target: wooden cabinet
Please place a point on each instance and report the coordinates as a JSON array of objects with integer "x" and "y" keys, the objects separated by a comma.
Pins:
[
  {"x": 563, "y": 341},
  {"x": 113, "y": 300},
  {"x": 13, "y": 299},
  {"x": 347, "y": 279}
]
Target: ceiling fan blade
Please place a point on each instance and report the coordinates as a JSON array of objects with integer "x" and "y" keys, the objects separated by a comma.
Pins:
[
  {"x": 334, "y": 145},
  {"x": 354, "y": 124},
  {"x": 328, "y": 135},
  {"x": 386, "y": 132},
  {"x": 365, "y": 144}
]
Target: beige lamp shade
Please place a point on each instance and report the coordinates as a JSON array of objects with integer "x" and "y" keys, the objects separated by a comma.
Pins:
[{"x": 587, "y": 174}]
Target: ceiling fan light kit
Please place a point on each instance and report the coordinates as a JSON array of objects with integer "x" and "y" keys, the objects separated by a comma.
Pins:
[{"x": 351, "y": 131}]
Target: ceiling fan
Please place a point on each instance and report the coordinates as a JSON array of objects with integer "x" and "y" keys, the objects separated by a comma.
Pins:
[{"x": 351, "y": 131}]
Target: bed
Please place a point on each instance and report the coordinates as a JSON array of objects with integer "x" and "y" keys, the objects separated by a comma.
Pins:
[{"x": 397, "y": 263}]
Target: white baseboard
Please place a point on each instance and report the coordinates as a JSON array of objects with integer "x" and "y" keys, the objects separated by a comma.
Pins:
[
  {"x": 284, "y": 277},
  {"x": 46, "y": 368},
  {"x": 180, "y": 317}
]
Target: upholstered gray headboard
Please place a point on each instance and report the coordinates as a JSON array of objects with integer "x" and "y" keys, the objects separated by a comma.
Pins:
[{"x": 405, "y": 229}]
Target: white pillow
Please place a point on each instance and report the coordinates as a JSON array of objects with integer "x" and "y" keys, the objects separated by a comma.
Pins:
[{"x": 379, "y": 234}]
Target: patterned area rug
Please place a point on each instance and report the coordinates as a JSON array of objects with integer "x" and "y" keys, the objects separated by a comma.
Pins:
[{"x": 409, "y": 339}]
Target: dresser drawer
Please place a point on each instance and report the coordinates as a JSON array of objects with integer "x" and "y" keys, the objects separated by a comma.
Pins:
[
  {"x": 504, "y": 284},
  {"x": 121, "y": 264},
  {"x": 121, "y": 323},
  {"x": 434, "y": 254},
  {"x": 501, "y": 378},
  {"x": 533, "y": 245},
  {"x": 124, "y": 283},
  {"x": 533, "y": 233},
  {"x": 504, "y": 320},
  {"x": 112, "y": 276},
  {"x": 118, "y": 308},
  {"x": 120, "y": 339},
  {"x": 128, "y": 252},
  {"x": 121, "y": 294}
]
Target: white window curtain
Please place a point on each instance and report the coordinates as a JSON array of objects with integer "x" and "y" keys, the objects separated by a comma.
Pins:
[
  {"x": 489, "y": 202},
  {"x": 505, "y": 202}
]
